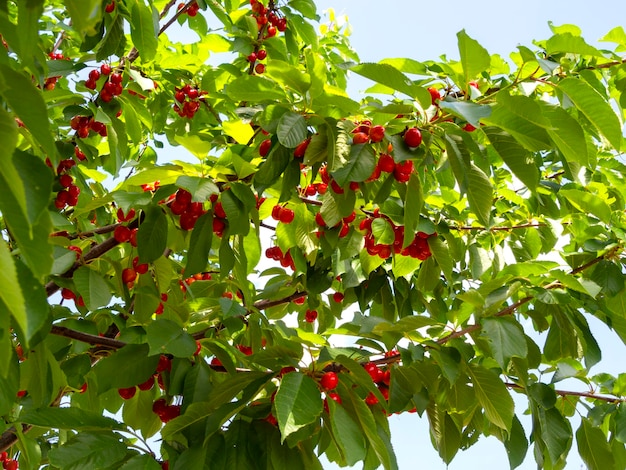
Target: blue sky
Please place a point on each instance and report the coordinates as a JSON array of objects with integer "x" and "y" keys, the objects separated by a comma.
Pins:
[{"x": 427, "y": 30}]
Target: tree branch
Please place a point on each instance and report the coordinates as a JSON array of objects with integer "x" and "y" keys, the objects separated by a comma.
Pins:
[
  {"x": 568, "y": 393},
  {"x": 86, "y": 337}
]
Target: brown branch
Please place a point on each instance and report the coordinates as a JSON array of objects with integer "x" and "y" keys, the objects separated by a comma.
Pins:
[
  {"x": 313, "y": 202},
  {"x": 86, "y": 337},
  {"x": 568, "y": 393},
  {"x": 95, "y": 252},
  {"x": 89, "y": 233},
  {"x": 264, "y": 304},
  {"x": 495, "y": 229}
]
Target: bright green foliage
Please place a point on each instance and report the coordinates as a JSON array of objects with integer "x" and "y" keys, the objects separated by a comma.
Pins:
[{"x": 300, "y": 234}]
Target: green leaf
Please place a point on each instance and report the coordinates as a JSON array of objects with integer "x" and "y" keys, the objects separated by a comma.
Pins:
[
  {"x": 165, "y": 336},
  {"x": 38, "y": 318},
  {"x": 270, "y": 171},
  {"x": 493, "y": 396},
  {"x": 359, "y": 166},
  {"x": 291, "y": 129},
  {"x": 373, "y": 434},
  {"x": 152, "y": 235},
  {"x": 87, "y": 450},
  {"x": 516, "y": 157},
  {"x": 595, "y": 108},
  {"x": 219, "y": 397},
  {"x": 470, "y": 112},
  {"x": 567, "y": 134},
  {"x": 593, "y": 446},
  {"x": 128, "y": 366},
  {"x": 92, "y": 287},
  {"x": 441, "y": 253},
  {"x": 567, "y": 42},
  {"x": 137, "y": 413},
  {"x": 255, "y": 89},
  {"x": 69, "y": 418},
  {"x": 27, "y": 102},
  {"x": 479, "y": 194},
  {"x": 86, "y": 14},
  {"x": 506, "y": 337},
  {"x": 142, "y": 30},
  {"x": 200, "y": 188},
  {"x": 474, "y": 58},
  {"x": 141, "y": 462},
  {"x": 200, "y": 245},
  {"x": 555, "y": 432},
  {"x": 347, "y": 434},
  {"x": 588, "y": 203},
  {"x": 297, "y": 403},
  {"x": 237, "y": 213},
  {"x": 391, "y": 77},
  {"x": 444, "y": 432},
  {"x": 11, "y": 293},
  {"x": 290, "y": 76},
  {"x": 516, "y": 445}
]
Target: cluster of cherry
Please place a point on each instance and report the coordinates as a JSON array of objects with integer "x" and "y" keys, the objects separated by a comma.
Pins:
[
  {"x": 8, "y": 463},
  {"x": 187, "y": 101},
  {"x": 418, "y": 248},
  {"x": 285, "y": 259},
  {"x": 112, "y": 85}
]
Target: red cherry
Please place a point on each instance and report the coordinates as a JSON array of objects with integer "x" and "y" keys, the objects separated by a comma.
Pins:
[
  {"x": 116, "y": 78},
  {"x": 300, "y": 150},
  {"x": 286, "y": 216},
  {"x": 271, "y": 31},
  {"x": 179, "y": 96},
  {"x": 377, "y": 133},
  {"x": 188, "y": 221},
  {"x": 141, "y": 268},
  {"x": 165, "y": 363},
  {"x": 386, "y": 163},
  {"x": 371, "y": 399},
  {"x": 333, "y": 396},
  {"x": 265, "y": 146},
  {"x": 338, "y": 297},
  {"x": 320, "y": 220},
  {"x": 127, "y": 393},
  {"x": 129, "y": 275},
  {"x": 469, "y": 128},
  {"x": 310, "y": 316},
  {"x": 147, "y": 385},
  {"x": 262, "y": 54},
  {"x": 276, "y": 211},
  {"x": 10, "y": 465},
  {"x": 110, "y": 7},
  {"x": 360, "y": 138},
  {"x": 198, "y": 348},
  {"x": 125, "y": 218},
  {"x": 259, "y": 68},
  {"x": 121, "y": 233},
  {"x": 218, "y": 210},
  {"x": 413, "y": 137},
  {"x": 345, "y": 228},
  {"x": 434, "y": 95},
  {"x": 375, "y": 373},
  {"x": 159, "y": 406},
  {"x": 329, "y": 380},
  {"x": 105, "y": 69},
  {"x": 252, "y": 57},
  {"x": 66, "y": 181},
  {"x": 218, "y": 226},
  {"x": 133, "y": 237},
  {"x": 67, "y": 294}
]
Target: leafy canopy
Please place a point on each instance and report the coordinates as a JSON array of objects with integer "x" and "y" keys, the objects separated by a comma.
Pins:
[{"x": 317, "y": 262}]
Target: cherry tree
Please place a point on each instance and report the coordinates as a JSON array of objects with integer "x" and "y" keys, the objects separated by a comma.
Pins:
[{"x": 318, "y": 262}]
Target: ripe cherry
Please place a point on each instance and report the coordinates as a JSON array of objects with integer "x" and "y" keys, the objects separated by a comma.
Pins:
[
  {"x": 259, "y": 68},
  {"x": 413, "y": 137},
  {"x": 434, "y": 95},
  {"x": 338, "y": 297},
  {"x": 265, "y": 146},
  {"x": 286, "y": 216},
  {"x": 129, "y": 275},
  {"x": 110, "y": 7},
  {"x": 377, "y": 133},
  {"x": 121, "y": 233},
  {"x": 360, "y": 138},
  {"x": 127, "y": 393},
  {"x": 310, "y": 316},
  {"x": 329, "y": 380},
  {"x": 105, "y": 69},
  {"x": 371, "y": 399}
]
